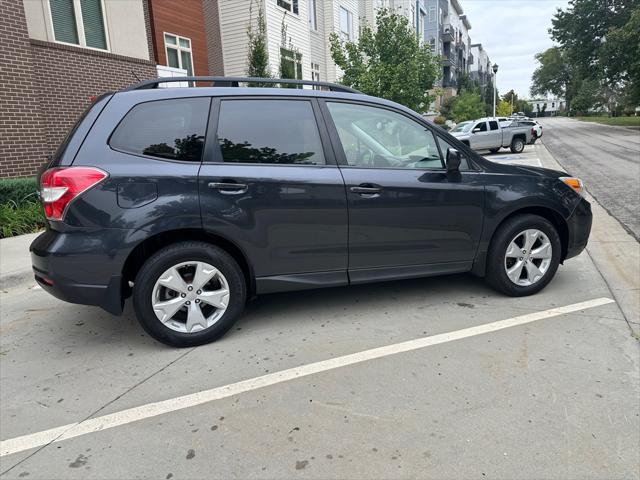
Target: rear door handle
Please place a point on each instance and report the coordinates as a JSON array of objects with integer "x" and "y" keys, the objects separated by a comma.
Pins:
[
  {"x": 229, "y": 188},
  {"x": 366, "y": 190}
]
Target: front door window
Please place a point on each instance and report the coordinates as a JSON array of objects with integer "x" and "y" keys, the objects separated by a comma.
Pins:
[{"x": 374, "y": 137}]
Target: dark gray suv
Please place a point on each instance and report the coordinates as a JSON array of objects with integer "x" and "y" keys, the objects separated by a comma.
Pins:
[{"x": 193, "y": 200}]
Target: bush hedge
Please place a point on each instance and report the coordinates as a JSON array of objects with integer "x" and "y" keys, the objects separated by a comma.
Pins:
[
  {"x": 18, "y": 190},
  {"x": 20, "y": 210}
]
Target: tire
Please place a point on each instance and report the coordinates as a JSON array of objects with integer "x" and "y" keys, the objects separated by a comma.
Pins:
[
  {"x": 517, "y": 145},
  {"x": 501, "y": 258},
  {"x": 494, "y": 150},
  {"x": 225, "y": 286}
]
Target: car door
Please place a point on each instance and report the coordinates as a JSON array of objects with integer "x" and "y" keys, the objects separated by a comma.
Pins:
[
  {"x": 480, "y": 136},
  {"x": 268, "y": 185},
  {"x": 407, "y": 216},
  {"x": 494, "y": 136}
]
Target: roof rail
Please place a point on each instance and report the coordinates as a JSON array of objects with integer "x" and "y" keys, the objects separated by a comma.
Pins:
[{"x": 235, "y": 81}]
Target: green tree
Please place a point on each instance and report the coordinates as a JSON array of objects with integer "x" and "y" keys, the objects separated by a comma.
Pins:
[
  {"x": 553, "y": 75},
  {"x": 388, "y": 62},
  {"x": 620, "y": 57},
  {"x": 586, "y": 97},
  {"x": 467, "y": 106},
  {"x": 258, "y": 56},
  {"x": 599, "y": 41},
  {"x": 503, "y": 108}
]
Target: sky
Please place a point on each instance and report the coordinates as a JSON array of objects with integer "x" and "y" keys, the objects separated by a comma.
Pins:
[{"x": 512, "y": 32}]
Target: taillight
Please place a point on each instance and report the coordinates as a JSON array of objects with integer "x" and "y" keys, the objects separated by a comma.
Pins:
[{"x": 59, "y": 186}]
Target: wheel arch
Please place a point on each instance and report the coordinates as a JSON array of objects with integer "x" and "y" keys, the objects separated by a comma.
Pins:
[
  {"x": 553, "y": 216},
  {"x": 150, "y": 245}
]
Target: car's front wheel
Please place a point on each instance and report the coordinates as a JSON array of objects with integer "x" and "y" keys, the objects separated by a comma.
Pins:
[
  {"x": 523, "y": 256},
  {"x": 189, "y": 293}
]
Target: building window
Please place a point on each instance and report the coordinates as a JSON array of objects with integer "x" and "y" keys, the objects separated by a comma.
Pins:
[
  {"x": 290, "y": 64},
  {"x": 313, "y": 15},
  {"x": 178, "y": 50},
  {"x": 315, "y": 74},
  {"x": 289, "y": 5},
  {"x": 432, "y": 14},
  {"x": 346, "y": 24},
  {"x": 79, "y": 22}
]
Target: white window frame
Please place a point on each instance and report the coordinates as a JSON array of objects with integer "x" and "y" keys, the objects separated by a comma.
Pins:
[
  {"x": 349, "y": 34},
  {"x": 180, "y": 49},
  {"x": 290, "y": 8},
  {"x": 82, "y": 41},
  {"x": 315, "y": 74},
  {"x": 313, "y": 15}
]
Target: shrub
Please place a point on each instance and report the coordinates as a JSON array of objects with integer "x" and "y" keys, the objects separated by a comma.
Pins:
[
  {"x": 20, "y": 219},
  {"x": 439, "y": 120},
  {"x": 18, "y": 190},
  {"x": 20, "y": 211}
]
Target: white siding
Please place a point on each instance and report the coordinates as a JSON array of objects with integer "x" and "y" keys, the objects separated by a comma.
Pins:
[
  {"x": 319, "y": 49},
  {"x": 234, "y": 20},
  {"x": 332, "y": 25},
  {"x": 297, "y": 36}
]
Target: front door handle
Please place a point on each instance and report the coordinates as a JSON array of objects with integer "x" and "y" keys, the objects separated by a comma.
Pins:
[
  {"x": 229, "y": 188},
  {"x": 366, "y": 189}
]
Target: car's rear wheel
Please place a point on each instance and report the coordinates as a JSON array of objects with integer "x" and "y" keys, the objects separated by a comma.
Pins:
[
  {"x": 523, "y": 256},
  {"x": 517, "y": 145},
  {"x": 189, "y": 293}
]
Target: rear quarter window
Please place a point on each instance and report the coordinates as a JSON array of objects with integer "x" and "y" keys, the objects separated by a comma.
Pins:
[{"x": 169, "y": 129}]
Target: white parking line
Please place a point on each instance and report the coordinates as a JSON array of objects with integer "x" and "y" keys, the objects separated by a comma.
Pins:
[{"x": 26, "y": 442}]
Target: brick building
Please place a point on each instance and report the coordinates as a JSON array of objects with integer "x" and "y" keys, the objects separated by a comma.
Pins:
[{"x": 59, "y": 54}]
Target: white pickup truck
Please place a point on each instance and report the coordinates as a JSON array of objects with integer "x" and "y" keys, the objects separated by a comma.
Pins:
[{"x": 487, "y": 134}]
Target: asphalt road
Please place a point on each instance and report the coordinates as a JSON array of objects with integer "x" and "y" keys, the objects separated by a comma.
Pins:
[
  {"x": 549, "y": 394},
  {"x": 606, "y": 158}
]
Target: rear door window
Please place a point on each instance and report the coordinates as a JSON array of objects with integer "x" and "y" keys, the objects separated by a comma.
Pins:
[
  {"x": 170, "y": 129},
  {"x": 493, "y": 125},
  {"x": 269, "y": 131}
]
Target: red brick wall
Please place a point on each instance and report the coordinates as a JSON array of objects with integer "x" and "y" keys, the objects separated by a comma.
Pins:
[
  {"x": 214, "y": 38},
  {"x": 186, "y": 19},
  {"x": 22, "y": 139},
  {"x": 70, "y": 76},
  {"x": 44, "y": 87}
]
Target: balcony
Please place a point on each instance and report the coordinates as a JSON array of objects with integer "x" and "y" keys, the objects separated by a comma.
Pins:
[
  {"x": 449, "y": 61},
  {"x": 447, "y": 33}
]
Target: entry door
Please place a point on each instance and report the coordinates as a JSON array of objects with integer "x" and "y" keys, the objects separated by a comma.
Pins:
[
  {"x": 267, "y": 185},
  {"x": 404, "y": 209}
]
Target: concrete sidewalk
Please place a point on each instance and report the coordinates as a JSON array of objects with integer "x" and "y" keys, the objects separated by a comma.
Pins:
[{"x": 15, "y": 261}]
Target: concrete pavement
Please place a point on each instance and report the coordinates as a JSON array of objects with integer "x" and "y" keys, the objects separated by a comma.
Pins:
[{"x": 15, "y": 262}]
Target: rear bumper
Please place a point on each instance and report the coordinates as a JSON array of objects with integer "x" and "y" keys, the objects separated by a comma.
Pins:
[
  {"x": 579, "y": 225},
  {"x": 73, "y": 268}
]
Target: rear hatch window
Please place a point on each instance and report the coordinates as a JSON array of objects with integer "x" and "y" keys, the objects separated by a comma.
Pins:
[{"x": 67, "y": 150}]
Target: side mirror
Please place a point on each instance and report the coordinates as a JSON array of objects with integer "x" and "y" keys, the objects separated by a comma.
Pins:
[
  {"x": 475, "y": 130},
  {"x": 453, "y": 160}
]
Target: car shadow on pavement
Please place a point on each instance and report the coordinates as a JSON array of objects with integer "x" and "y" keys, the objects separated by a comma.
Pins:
[{"x": 282, "y": 308}]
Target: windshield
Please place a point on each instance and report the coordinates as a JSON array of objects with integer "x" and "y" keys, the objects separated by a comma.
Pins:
[{"x": 463, "y": 127}]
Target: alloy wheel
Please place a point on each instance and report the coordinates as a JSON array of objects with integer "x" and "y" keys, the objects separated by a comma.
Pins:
[
  {"x": 528, "y": 257},
  {"x": 190, "y": 296}
]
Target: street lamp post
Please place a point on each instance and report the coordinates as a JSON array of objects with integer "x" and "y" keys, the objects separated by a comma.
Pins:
[{"x": 495, "y": 74}]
